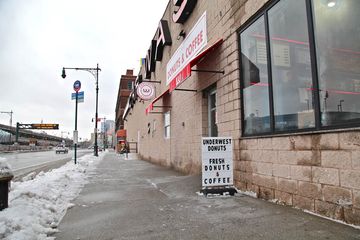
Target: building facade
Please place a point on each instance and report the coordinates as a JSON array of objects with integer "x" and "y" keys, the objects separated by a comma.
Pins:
[
  {"x": 125, "y": 88},
  {"x": 282, "y": 78}
]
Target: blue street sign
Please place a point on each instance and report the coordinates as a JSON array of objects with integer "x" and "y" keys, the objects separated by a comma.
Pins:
[
  {"x": 80, "y": 96},
  {"x": 77, "y": 85}
]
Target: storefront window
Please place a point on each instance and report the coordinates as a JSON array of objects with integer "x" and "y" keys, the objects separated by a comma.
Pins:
[
  {"x": 255, "y": 86},
  {"x": 310, "y": 75},
  {"x": 337, "y": 37},
  {"x": 291, "y": 66}
]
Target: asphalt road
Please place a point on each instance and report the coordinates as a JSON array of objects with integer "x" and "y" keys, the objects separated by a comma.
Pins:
[{"x": 24, "y": 163}]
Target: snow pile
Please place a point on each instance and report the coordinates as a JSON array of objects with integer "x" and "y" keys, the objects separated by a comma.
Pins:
[
  {"x": 5, "y": 170},
  {"x": 37, "y": 206}
]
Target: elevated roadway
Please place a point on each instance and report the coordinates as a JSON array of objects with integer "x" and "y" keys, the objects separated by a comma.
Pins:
[{"x": 26, "y": 135}]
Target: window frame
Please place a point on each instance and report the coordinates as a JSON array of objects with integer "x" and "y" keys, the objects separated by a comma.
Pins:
[
  {"x": 167, "y": 125},
  {"x": 130, "y": 85},
  {"x": 209, "y": 94},
  {"x": 263, "y": 13}
]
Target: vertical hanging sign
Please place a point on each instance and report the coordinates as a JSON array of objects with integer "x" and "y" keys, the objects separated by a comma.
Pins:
[{"x": 217, "y": 161}]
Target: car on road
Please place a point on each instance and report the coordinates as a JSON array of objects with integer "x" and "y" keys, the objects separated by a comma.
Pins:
[{"x": 61, "y": 149}]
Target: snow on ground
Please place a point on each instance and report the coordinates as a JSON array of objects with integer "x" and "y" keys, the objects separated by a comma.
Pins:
[
  {"x": 5, "y": 170},
  {"x": 38, "y": 203}
]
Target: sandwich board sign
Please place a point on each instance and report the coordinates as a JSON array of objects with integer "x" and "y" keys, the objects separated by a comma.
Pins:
[{"x": 217, "y": 161}]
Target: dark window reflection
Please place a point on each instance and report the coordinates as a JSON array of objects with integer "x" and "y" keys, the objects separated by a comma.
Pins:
[
  {"x": 291, "y": 67},
  {"x": 337, "y": 35},
  {"x": 255, "y": 79},
  {"x": 337, "y": 52}
]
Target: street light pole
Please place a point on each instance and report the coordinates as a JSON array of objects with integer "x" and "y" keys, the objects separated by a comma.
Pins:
[
  {"x": 96, "y": 112},
  {"x": 95, "y": 73}
]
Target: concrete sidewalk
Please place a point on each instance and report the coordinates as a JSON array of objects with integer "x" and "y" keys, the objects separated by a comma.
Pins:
[{"x": 133, "y": 199}]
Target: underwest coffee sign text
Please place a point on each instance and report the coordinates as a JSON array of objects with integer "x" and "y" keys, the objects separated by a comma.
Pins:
[{"x": 178, "y": 68}]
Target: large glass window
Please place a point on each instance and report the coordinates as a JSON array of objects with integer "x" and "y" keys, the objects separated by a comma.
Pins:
[
  {"x": 291, "y": 67},
  {"x": 255, "y": 79},
  {"x": 337, "y": 37},
  {"x": 295, "y": 76}
]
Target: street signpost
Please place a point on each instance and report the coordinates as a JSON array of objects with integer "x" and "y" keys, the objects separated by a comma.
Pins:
[
  {"x": 80, "y": 96},
  {"x": 77, "y": 86}
]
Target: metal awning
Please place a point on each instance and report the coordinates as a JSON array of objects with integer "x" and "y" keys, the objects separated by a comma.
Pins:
[
  {"x": 185, "y": 73},
  {"x": 151, "y": 105}
]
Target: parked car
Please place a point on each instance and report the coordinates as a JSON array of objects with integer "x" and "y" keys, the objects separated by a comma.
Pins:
[{"x": 61, "y": 149}]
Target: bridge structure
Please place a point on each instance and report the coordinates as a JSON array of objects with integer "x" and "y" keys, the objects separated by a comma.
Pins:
[{"x": 27, "y": 136}]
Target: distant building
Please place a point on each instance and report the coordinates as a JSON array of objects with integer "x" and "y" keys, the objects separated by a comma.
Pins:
[
  {"x": 108, "y": 126},
  {"x": 106, "y": 134},
  {"x": 125, "y": 89}
]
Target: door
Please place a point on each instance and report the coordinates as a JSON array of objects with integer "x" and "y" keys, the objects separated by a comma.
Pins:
[{"x": 212, "y": 118}]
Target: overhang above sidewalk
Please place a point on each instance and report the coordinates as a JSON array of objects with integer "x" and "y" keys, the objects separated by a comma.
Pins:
[
  {"x": 185, "y": 73},
  {"x": 151, "y": 105}
]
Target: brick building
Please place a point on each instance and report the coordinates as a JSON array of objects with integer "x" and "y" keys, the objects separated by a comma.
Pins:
[
  {"x": 125, "y": 88},
  {"x": 282, "y": 78}
]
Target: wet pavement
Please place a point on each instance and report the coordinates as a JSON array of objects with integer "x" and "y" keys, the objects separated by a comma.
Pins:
[{"x": 133, "y": 199}]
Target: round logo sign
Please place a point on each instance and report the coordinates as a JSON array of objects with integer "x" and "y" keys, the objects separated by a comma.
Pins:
[
  {"x": 145, "y": 91},
  {"x": 77, "y": 85}
]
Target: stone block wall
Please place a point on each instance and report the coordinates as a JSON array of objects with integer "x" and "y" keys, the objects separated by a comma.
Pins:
[
  {"x": 319, "y": 173},
  {"x": 316, "y": 172}
]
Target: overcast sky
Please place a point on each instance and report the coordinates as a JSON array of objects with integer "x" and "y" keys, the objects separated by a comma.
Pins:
[{"x": 39, "y": 37}]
